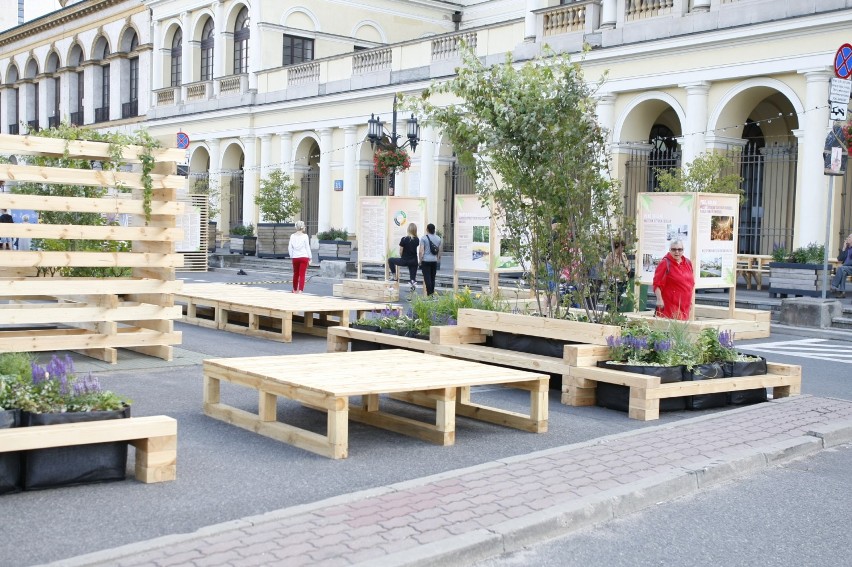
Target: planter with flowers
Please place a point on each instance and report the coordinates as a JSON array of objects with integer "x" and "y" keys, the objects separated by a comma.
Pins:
[
  {"x": 798, "y": 272},
  {"x": 334, "y": 244},
  {"x": 51, "y": 394},
  {"x": 387, "y": 160}
]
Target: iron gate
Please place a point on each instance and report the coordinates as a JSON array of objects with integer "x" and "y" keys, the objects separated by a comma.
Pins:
[
  {"x": 377, "y": 185},
  {"x": 235, "y": 186},
  {"x": 458, "y": 180},
  {"x": 310, "y": 200}
]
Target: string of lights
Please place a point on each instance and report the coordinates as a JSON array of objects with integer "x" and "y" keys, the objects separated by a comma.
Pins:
[{"x": 306, "y": 160}]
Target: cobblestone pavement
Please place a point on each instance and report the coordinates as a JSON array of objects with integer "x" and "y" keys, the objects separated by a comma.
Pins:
[{"x": 460, "y": 517}]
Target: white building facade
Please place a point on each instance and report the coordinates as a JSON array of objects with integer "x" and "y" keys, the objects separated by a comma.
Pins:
[{"x": 287, "y": 84}]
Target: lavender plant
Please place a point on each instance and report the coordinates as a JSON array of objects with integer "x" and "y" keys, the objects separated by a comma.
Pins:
[{"x": 55, "y": 388}]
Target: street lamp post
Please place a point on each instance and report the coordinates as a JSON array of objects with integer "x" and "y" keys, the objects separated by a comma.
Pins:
[{"x": 380, "y": 139}]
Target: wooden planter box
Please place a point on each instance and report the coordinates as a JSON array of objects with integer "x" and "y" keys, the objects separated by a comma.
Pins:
[
  {"x": 335, "y": 250},
  {"x": 786, "y": 278},
  {"x": 246, "y": 245},
  {"x": 273, "y": 238}
]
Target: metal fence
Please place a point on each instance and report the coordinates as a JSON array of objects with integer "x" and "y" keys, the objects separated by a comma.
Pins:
[
  {"x": 310, "y": 200},
  {"x": 458, "y": 180}
]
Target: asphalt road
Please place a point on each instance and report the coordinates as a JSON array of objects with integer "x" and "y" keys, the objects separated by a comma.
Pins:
[{"x": 225, "y": 473}]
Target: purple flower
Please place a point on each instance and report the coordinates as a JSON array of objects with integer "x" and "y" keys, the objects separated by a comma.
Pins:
[
  {"x": 726, "y": 339},
  {"x": 664, "y": 345}
]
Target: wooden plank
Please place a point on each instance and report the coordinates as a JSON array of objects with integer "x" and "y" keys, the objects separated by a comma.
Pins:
[
  {"x": 73, "y": 313},
  {"x": 490, "y": 355},
  {"x": 591, "y": 333},
  {"x": 92, "y": 259},
  {"x": 585, "y": 355},
  {"x": 615, "y": 377},
  {"x": 55, "y": 147},
  {"x": 82, "y": 232},
  {"x": 86, "y": 177},
  {"x": 454, "y": 334},
  {"x": 88, "y": 205},
  {"x": 66, "y": 434},
  {"x": 75, "y": 339}
]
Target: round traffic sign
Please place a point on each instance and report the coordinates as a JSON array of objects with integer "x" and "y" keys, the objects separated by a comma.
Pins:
[
  {"x": 843, "y": 61},
  {"x": 182, "y": 140}
]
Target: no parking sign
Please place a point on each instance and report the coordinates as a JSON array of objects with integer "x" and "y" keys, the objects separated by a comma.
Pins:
[{"x": 182, "y": 140}]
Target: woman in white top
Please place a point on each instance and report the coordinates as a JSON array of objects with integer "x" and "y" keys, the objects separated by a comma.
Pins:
[{"x": 300, "y": 253}]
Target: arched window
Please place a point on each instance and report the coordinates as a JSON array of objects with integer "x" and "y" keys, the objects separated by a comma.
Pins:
[
  {"x": 207, "y": 42},
  {"x": 177, "y": 58},
  {"x": 241, "y": 42},
  {"x": 53, "y": 91},
  {"x": 12, "y": 100},
  {"x": 102, "y": 52},
  {"x": 75, "y": 59}
]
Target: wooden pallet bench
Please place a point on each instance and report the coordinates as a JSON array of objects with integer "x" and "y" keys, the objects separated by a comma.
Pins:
[
  {"x": 647, "y": 391},
  {"x": 752, "y": 267},
  {"x": 327, "y": 381},
  {"x": 260, "y": 312},
  {"x": 369, "y": 290},
  {"x": 154, "y": 437}
]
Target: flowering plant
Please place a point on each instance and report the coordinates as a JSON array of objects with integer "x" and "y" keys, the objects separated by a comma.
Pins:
[
  {"x": 53, "y": 388},
  {"x": 384, "y": 160}
]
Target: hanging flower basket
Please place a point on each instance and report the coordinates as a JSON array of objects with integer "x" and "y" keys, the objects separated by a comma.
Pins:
[{"x": 386, "y": 160}]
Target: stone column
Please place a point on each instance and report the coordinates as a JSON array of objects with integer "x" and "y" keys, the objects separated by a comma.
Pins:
[
  {"x": 350, "y": 177},
  {"x": 214, "y": 178},
  {"x": 254, "y": 62},
  {"x": 700, "y": 5},
  {"x": 145, "y": 59},
  {"x": 186, "y": 54},
  {"x": 608, "y": 14},
  {"x": 44, "y": 95},
  {"x": 89, "y": 93},
  {"x": 156, "y": 63},
  {"x": 265, "y": 161},
  {"x": 325, "y": 181},
  {"x": 65, "y": 94},
  {"x": 696, "y": 120},
  {"x": 811, "y": 185},
  {"x": 250, "y": 173},
  {"x": 287, "y": 153},
  {"x": 119, "y": 70},
  {"x": 218, "y": 45},
  {"x": 605, "y": 111},
  {"x": 427, "y": 172}
]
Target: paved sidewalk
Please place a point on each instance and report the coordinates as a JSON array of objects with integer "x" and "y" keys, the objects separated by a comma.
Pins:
[{"x": 463, "y": 516}]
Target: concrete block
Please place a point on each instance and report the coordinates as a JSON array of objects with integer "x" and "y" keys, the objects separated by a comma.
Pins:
[
  {"x": 809, "y": 312},
  {"x": 335, "y": 269}
]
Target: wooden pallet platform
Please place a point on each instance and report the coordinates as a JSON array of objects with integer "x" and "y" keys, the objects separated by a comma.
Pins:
[
  {"x": 260, "y": 312},
  {"x": 327, "y": 381},
  {"x": 155, "y": 439}
]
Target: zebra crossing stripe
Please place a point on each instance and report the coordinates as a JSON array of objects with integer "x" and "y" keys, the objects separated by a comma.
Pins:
[{"x": 819, "y": 349}]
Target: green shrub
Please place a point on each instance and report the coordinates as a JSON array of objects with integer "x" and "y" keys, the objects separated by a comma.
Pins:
[
  {"x": 243, "y": 230},
  {"x": 333, "y": 234}
]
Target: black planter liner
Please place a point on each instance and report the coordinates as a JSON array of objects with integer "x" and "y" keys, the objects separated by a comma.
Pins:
[
  {"x": 533, "y": 345},
  {"x": 393, "y": 332},
  {"x": 705, "y": 372},
  {"x": 750, "y": 368},
  {"x": 373, "y": 328},
  {"x": 416, "y": 335},
  {"x": 78, "y": 464},
  {"x": 617, "y": 397},
  {"x": 10, "y": 463},
  {"x": 356, "y": 345}
]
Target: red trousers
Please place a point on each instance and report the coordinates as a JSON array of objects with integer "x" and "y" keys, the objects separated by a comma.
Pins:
[{"x": 300, "y": 267}]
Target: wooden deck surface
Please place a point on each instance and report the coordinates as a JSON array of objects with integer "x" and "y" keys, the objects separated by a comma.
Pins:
[
  {"x": 326, "y": 381},
  {"x": 267, "y": 313}
]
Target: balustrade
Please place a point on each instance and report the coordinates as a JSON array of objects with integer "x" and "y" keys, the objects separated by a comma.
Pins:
[
  {"x": 166, "y": 97},
  {"x": 303, "y": 74},
  {"x": 372, "y": 60},
  {"x": 640, "y": 9},
  {"x": 565, "y": 19},
  {"x": 198, "y": 91},
  {"x": 450, "y": 46},
  {"x": 232, "y": 84}
]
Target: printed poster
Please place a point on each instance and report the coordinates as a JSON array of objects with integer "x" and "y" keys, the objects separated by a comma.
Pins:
[
  {"x": 716, "y": 238},
  {"x": 190, "y": 223},
  {"x": 372, "y": 230},
  {"x": 662, "y": 219},
  {"x": 401, "y": 213},
  {"x": 472, "y": 232},
  {"x": 504, "y": 260}
]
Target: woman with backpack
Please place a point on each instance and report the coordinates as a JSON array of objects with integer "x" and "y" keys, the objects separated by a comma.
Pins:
[
  {"x": 408, "y": 247},
  {"x": 674, "y": 282},
  {"x": 430, "y": 257}
]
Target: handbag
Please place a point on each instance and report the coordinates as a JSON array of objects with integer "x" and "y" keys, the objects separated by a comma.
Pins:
[{"x": 433, "y": 248}]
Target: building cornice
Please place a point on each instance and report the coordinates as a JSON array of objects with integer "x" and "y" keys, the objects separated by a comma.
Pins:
[{"x": 50, "y": 21}]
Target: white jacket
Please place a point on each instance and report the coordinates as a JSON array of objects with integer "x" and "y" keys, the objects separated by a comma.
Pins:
[{"x": 300, "y": 245}]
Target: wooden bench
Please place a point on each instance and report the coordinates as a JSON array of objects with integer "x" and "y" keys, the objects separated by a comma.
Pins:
[
  {"x": 647, "y": 391},
  {"x": 327, "y": 381},
  {"x": 369, "y": 290},
  {"x": 155, "y": 439},
  {"x": 753, "y": 267}
]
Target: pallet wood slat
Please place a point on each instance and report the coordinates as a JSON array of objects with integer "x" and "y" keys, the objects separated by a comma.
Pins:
[
  {"x": 155, "y": 439},
  {"x": 113, "y": 205},
  {"x": 94, "y": 316}
]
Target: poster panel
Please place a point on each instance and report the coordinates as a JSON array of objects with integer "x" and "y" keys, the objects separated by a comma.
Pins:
[
  {"x": 716, "y": 240},
  {"x": 472, "y": 235},
  {"x": 401, "y": 213},
  {"x": 662, "y": 218},
  {"x": 503, "y": 261},
  {"x": 190, "y": 223},
  {"x": 372, "y": 230}
]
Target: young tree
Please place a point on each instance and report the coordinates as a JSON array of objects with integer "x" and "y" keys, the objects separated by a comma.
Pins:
[
  {"x": 277, "y": 197},
  {"x": 707, "y": 173},
  {"x": 531, "y": 134}
]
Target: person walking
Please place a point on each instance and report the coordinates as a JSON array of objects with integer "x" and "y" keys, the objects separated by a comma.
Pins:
[
  {"x": 299, "y": 248},
  {"x": 408, "y": 249},
  {"x": 674, "y": 282},
  {"x": 429, "y": 257},
  {"x": 838, "y": 283},
  {"x": 24, "y": 243},
  {"x": 5, "y": 241}
]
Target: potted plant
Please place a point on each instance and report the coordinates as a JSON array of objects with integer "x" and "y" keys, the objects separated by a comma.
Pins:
[
  {"x": 798, "y": 272},
  {"x": 12, "y": 391},
  {"x": 243, "y": 240},
  {"x": 334, "y": 244},
  {"x": 51, "y": 394},
  {"x": 278, "y": 201},
  {"x": 387, "y": 160}
]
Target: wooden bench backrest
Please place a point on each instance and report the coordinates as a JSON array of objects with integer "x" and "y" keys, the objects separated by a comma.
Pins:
[{"x": 560, "y": 329}]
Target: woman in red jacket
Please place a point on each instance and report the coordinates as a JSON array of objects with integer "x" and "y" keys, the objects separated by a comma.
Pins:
[{"x": 673, "y": 284}]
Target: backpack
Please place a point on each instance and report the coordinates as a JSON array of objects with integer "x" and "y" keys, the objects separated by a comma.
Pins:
[{"x": 433, "y": 248}]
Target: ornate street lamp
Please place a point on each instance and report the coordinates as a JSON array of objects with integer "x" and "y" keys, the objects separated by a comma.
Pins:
[{"x": 389, "y": 141}]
